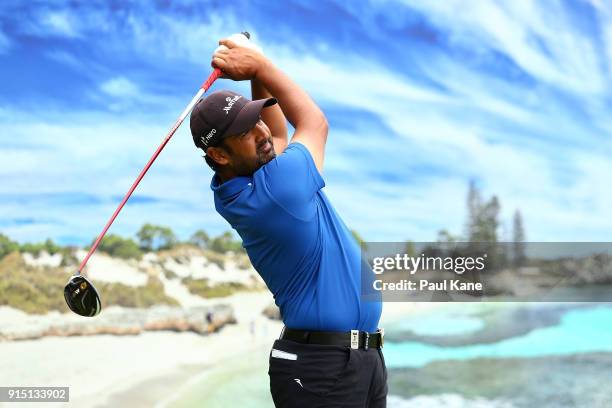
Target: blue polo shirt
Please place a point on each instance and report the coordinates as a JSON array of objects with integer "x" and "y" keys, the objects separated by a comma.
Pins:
[{"x": 297, "y": 242}]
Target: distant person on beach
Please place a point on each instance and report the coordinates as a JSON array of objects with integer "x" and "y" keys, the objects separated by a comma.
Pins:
[{"x": 270, "y": 190}]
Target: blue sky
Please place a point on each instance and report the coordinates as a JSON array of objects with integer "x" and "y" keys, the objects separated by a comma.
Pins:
[{"x": 421, "y": 97}]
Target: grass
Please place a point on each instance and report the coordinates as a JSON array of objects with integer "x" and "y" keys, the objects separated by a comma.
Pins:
[
  {"x": 40, "y": 290},
  {"x": 142, "y": 296},
  {"x": 215, "y": 258},
  {"x": 201, "y": 287},
  {"x": 31, "y": 289}
]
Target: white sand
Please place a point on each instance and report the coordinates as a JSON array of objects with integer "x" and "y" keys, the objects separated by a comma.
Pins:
[
  {"x": 103, "y": 268},
  {"x": 96, "y": 367},
  {"x": 199, "y": 267},
  {"x": 175, "y": 289},
  {"x": 44, "y": 259}
]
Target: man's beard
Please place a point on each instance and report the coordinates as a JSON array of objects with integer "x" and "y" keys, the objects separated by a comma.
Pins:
[{"x": 263, "y": 157}]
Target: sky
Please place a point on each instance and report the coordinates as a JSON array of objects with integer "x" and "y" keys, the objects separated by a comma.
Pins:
[{"x": 421, "y": 98}]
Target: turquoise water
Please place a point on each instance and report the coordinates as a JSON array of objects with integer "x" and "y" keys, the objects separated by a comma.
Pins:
[
  {"x": 579, "y": 331},
  {"x": 440, "y": 325}
]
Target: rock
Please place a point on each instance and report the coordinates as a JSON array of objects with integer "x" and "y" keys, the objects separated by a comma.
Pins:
[{"x": 121, "y": 321}]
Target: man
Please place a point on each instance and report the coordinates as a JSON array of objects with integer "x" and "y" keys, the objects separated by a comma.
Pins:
[{"x": 329, "y": 354}]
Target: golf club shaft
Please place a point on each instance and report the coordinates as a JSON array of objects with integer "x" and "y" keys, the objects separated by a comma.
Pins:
[{"x": 207, "y": 84}]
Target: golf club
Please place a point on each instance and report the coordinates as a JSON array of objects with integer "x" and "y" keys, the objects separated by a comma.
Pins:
[{"x": 80, "y": 294}]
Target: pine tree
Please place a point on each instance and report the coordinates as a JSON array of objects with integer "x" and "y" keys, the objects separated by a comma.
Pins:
[
  {"x": 154, "y": 237},
  {"x": 518, "y": 240},
  {"x": 489, "y": 221},
  {"x": 473, "y": 207},
  {"x": 200, "y": 238}
]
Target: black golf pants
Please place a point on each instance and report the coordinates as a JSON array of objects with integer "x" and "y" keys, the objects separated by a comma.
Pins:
[{"x": 313, "y": 376}]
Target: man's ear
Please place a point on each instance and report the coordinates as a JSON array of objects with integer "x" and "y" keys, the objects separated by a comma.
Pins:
[{"x": 219, "y": 155}]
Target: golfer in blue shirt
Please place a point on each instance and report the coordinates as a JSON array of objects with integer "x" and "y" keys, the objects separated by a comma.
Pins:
[{"x": 270, "y": 191}]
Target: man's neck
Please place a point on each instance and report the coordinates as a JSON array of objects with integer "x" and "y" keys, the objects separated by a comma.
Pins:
[{"x": 225, "y": 176}]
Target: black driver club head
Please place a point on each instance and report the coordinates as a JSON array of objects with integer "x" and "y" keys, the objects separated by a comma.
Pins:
[{"x": 81, "y": 296}]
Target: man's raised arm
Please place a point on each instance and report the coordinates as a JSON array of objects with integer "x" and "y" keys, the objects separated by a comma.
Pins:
[
  {"x": 272, "y": 116},
  {"x": 240, "y": 63}
]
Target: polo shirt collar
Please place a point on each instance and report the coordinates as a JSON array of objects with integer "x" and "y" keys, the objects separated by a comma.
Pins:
[{"x": 230, "y": 187}]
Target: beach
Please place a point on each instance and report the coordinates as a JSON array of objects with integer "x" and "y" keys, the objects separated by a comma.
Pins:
[
  {"x": 100, "y": 366},
  {"x": 151, "y": 368},
  {"x": 427, "y": 343}
]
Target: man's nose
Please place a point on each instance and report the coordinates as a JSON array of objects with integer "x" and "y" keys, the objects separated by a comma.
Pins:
[{"x": 260, "y": 134}]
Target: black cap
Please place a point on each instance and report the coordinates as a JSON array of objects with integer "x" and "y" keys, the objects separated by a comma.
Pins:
[{"x": 222, "y": 114}]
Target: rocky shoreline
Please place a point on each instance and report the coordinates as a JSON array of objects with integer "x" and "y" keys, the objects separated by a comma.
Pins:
[
  {"x": 117, "y": 321},
  {"x": 548, "y": 381}
]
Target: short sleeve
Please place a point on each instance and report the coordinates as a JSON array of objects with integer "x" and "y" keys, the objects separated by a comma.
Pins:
[{"x": 293, "y": 179}]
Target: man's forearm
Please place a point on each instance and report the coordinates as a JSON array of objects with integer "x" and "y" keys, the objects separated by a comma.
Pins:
[
  {"x": 272, "y": 116},
  {"x": 298, "y": 107}
]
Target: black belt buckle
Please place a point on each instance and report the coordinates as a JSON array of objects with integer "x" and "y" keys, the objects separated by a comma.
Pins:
[{"x": 367, "y": 340}]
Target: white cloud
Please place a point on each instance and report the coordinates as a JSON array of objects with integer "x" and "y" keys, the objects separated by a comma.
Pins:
[
  {"x": 121, "y": 94},
  {"x": 193, "y": 40},
  {"x": 65, "y": 58},
  {"x": 101, "y": 156},
  {"x": 120, "y": 87},
  {"x": 519, "y": 29},
  {"x": 58, "y": 23}
]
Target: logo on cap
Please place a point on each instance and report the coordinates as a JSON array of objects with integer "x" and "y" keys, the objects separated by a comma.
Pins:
[
  {"x": 230, "y": 103},
  {"x": 206, "y": 138}
]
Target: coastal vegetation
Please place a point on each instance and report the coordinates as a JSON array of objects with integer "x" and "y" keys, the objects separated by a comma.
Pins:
[
  {"x": 32, "y": 278},
  {"x": 202, "y": 287}
]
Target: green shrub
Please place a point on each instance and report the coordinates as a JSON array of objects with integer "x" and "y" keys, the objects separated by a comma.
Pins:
[
  {"x": 31, "y": 289},
  {"x": 200, "y": 239},
  {"x": 37, "y": 290},
  {"x": 202, "y": 288},
  {"x": 224, "y": 243},
  {"x": 7, "y": 246},
  {"x": 168, "y": 273},
  {"x": 155, "y": 237},
  {"x": 51, "y": 247},
  {"x": 141, "y": 296},
  {"x": 68, "y": 257},
  {"x": 36, "y": 248},
  {"x": 32, "y": 248},
  {"x": 119, "y": 247},
  {"x": 215, "y": 258}
]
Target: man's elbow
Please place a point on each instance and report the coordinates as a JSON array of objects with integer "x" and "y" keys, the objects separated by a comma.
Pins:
[
  {"x": 322, "y": 127},
  {"x": 316, "y": 126}
]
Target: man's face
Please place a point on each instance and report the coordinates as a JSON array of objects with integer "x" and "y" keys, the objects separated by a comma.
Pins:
[{"x": 251, "y": 150}]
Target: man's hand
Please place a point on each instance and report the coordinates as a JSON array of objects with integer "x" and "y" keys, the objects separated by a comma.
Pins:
[{"x": 236, "y": 62}]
